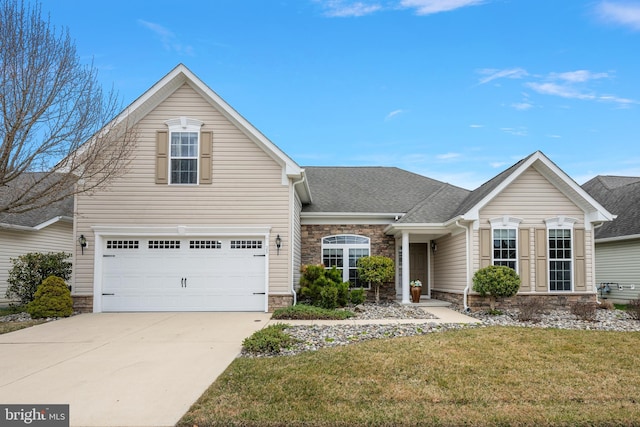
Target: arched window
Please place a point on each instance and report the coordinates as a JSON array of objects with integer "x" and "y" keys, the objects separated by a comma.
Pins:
[{"x": 343, "y": 252}]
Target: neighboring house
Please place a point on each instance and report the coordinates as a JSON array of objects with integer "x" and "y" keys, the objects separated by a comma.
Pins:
[
  {"x": 211, "y": 215},
  {"x": 618, "y": 242},
  {"x": 48, "y": 229}
]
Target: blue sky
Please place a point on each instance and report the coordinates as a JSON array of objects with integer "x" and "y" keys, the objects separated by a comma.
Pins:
[{"x": 456, "y": 90}]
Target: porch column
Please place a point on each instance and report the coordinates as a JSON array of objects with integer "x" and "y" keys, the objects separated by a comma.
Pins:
[{"x": 405, "y": 268}]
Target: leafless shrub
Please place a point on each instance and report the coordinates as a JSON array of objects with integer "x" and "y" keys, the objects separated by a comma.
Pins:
[
  {"x": 633, "y": 309},
  {"x": 584, "y": 311},
  {"x": 531, "y": 309}
]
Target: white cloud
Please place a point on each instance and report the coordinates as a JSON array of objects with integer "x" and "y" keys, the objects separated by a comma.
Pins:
[
  {"x": 554, "y": 136},
  {"x": 563, "y": 91},
  {"x": 509, "y": 73},
  {"x": 168, "y": 38},
  {"x": 578, "y": 76},
  {"x": 428, "y": 7},
  {"x": 448, "y": 156},
  {"x": 522, "y": 106},
  {"x": 346, "y": 9},
  {"x": 476, "y": 126},
  {"x": 520, "y": 131},
  {"x": 497, "y": 165},
  {"x": 392, "y": 114},
  {"x": 625, "y": 14}
]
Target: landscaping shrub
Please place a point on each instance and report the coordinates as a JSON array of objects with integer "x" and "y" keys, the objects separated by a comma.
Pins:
[
  {"x": 323, "y": 287},
  {"x": 357, "y": 296},
  {"x": 633, "y": 309},
  {"x": 310, "y": 312},
  {"x": 606, "y": 305},
  {"x": 269, "y": 340},
  {"x": 496, "y": 281},
  {"x": 584, "y": 311},
  {"x": 52, "y": 299},
  {"x": 376, "y": 270},
  {"x": 29, "y": 270},
  {"x": 531, "y": 309}
]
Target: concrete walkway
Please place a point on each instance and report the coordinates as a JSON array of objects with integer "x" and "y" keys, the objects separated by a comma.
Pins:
[{"x": 122, "y": 369}]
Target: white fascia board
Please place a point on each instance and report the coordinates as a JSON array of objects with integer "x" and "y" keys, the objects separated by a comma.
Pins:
[
  {"x": 618, "y": 238},
  {"x": 319, "y": 218},
  {"x": 36, "y": 227},
  {"x": 417, "y": 228},
  {"x": 179, "y": 230}
]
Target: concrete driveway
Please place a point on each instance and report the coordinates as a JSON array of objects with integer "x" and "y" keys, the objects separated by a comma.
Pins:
[{"x": 122, "y": 369}]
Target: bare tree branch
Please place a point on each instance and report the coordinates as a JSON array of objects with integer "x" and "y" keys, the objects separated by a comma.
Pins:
[{"x": 53, "y": 111}]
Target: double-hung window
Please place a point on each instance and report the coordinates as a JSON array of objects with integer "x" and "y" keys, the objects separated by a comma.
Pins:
[
  {"x": 343, "y": 251},
  {"x": 505, "y": 241},
  {"x": 184, "y": 150},
  {"x": 560, "y": 240}
]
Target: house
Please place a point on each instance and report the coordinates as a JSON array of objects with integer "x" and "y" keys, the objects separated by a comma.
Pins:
[
  {"x": 47, "y": 229},
  {"x": 212, "y": 215},
  {"x": 617, "y": 243}
]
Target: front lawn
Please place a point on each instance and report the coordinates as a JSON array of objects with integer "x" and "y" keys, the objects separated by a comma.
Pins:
[{"x": 476, "y": 376}]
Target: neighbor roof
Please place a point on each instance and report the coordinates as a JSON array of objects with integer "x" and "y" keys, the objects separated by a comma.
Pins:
[{"x": 621, "y": 196}]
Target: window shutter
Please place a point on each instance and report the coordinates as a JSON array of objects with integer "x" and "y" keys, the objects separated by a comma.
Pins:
[
  {"x": 580, "y": 269},
  {"x": 205, "y": 157},
  {"x": 162, "y": 165},
  {"x": 542, "y": 267},
  {"x": 524, "y": 263},
  {"x": 486, "y": 243}
]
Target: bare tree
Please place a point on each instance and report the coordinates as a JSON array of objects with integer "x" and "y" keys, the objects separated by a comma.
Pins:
[{"x": 59, "y": 131}]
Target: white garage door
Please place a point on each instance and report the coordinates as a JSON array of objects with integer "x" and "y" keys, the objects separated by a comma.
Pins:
[{"x": 183, "y": 274}]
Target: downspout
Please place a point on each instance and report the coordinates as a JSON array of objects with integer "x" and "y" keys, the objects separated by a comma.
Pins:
[
  {"x": 293, "y": 208},
  {"x": 465, "y": 294},
  {"x": 594, "y": 259}
]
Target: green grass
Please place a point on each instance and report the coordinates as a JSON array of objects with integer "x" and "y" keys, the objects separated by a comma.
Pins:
[
  {"x": 308, "y": 312},
  {"x": 477, "y": 376},
  {"x": 6, "y": 327}
]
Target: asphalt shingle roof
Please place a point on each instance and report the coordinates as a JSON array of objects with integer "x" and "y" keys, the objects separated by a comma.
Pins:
[{"x": 620, "y": 195}]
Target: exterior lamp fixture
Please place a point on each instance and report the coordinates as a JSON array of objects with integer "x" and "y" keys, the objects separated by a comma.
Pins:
[
  {"x": 83, "y": 242},
  {"x": 278, "y": 243},
  {"x": 434, "y": 246}
]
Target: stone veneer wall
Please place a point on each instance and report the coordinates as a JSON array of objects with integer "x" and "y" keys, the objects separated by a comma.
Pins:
[
  {"x": 279, "y": 301},
  {"x": 83, "y": 303},
  {"x": 381, "y": 245},
  {"x": 477, "y": 302}
]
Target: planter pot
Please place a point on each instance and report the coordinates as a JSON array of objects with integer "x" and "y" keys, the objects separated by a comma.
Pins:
[{"x": 415, "y": 294}]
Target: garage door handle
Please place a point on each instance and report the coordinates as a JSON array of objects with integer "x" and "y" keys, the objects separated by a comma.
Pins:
[
  {"x": 259, "y": 293},
  {"x": 260, "y": 255},
  {"x": 107, "y": 294}
]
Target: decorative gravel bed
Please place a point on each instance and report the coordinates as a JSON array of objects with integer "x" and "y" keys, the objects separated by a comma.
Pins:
[{"x": 314, "y": 337}]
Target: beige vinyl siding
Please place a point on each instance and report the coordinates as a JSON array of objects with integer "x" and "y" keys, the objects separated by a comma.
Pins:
[
  {"x": 533, "y": 199},
  {"x": 246, "y": 189},
  {"x": 450, "y": 268},
  {"x": 617, "y": 262},
  {"x": 57, "y": 237}
]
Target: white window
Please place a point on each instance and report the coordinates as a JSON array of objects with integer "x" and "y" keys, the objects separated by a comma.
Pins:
[
  {"x": 560, "y": 240},
  {"x": 505, "y": 241},
  {"x": 184, "y": 148},
  {"x": 343, "y": 251}
]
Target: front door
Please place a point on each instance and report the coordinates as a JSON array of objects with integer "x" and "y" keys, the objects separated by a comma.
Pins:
[{"x": 418, "y": 265}]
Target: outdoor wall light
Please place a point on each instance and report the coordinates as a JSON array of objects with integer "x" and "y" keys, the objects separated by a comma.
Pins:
[
  {"x": 278, "y": 243},
  {"x": 434, "y": 246},
  {"x": 83, "y": 243}
]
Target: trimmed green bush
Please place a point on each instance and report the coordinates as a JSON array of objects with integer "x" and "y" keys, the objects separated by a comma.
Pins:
[
  {"x": 269, "y": 340},
  {"x": 323, "y": 287},
  {"x": 310, "y": 312},
  {"x": 52, "y": 299},
  {"x": 29, "y": 270},
  {"x": 497, "y": 281},
  {"x": 357, "y": 296},
  {"x": 377, "y": 270}
]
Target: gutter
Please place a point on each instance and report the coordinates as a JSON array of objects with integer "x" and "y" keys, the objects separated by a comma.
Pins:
[
  {"x": 293, "y": 187},
  {"x": 465, "y": 297}
]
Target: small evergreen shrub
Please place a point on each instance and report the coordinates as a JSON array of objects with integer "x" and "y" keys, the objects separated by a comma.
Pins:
[
  {"x": 531, "y": 309},
  {"x": 323, "y": 287},
  {"x": 52, "y": 299},
  {"x": 497, "y": 281},
  {"x": 269, "y": 340},
  {"x": 633, "y": 309},
  {"x": 29, "y": 270},
  {"x": 357, "y": 296},
  {"x": 585, "y": 311},
  {"x": 310, "y": 312}
]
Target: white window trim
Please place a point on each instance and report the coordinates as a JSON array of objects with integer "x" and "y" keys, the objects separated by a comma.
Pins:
[
  {"x": 506, "y": 223},
  {"x": 345, "y": 252},
  {"x": 561, "y": 223},
  {"x": 184, "y": 124}
]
